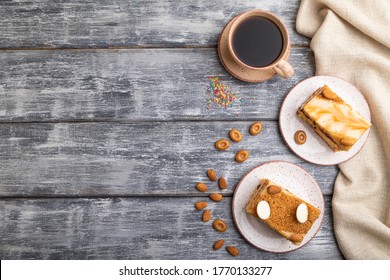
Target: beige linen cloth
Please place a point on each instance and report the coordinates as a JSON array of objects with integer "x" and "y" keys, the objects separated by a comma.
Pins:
[{"x": 351, "y": 40}]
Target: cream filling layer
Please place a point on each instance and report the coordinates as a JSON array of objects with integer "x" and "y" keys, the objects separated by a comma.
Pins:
[{"x": 337, "y": 118}]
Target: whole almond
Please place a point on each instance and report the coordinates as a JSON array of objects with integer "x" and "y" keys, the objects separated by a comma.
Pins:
[
  {"x": 201, "y": 187},
  {"x": 302, "y": 213},
  {"x": 263, "y": 210},
  {"x": 212, "y": 175},
  {"x": 217, "y": 197},
  {"x": 201, "y": 205},
  {"x": 206, "y": 216},
  {"x": 219, "y": 225},
  {"x": 347, "y": 141},
  {"x": 328, "y": 93},
  {"x": 232, "y": 251},
  {"x": 296, "y": 237},
  {"x": 273, "y": 189},
  {"x": 222, "y": 183},
  {"x": 218, "y": 244}
]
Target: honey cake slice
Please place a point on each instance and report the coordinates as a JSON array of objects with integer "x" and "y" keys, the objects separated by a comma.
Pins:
[
  {"x": 335, "y": 121},
  {"x": 283, "y": 210}
]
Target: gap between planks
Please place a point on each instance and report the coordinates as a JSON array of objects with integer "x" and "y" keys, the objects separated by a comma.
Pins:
[
  {"x": 167, "y": 196},
  {"x": 135, "y": 121},
  {"x": 109, "y": 48}
]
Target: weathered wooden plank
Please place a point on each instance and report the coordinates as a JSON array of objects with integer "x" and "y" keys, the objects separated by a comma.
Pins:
[
  {"x": 98, "y": 159},
  {"x": 148, "y": 84},
  {"x": 107, "y": 23},
  {"x": 132, "y": 228}
]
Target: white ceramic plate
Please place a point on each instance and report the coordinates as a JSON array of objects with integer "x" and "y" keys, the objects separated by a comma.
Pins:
[
  {"x": 291, "y": 177},
  {"x": 315, "y": 149}
]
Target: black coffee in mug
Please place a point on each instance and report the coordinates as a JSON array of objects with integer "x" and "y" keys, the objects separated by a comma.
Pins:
[{"x": 257, "y": 41}]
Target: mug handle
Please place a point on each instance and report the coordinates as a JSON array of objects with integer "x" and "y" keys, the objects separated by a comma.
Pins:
[{"x": 284, "y": 69}]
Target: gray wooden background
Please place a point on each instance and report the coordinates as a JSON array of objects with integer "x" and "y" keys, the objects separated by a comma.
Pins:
[{"x": 104, "y": 129}]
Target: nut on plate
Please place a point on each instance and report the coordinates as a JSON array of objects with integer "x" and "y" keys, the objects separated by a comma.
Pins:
[{"x": 300, "y": 137}]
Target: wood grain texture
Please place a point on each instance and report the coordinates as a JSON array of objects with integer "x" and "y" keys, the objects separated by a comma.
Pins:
[
  {"x": 84, "y": 132},
  {"x": 123, "y": 23},
  {"x": 99, "y": 159},
  {"x": 132, "y": 228},
  {"x": 147, "y": 84}
]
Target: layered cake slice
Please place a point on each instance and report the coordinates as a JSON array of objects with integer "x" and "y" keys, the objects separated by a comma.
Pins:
[
  {"x": 333, "y": 120},
  {"x": 283, "y": 211}
]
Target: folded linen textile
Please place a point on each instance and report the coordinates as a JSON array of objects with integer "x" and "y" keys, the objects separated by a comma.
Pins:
[{"x": 351, "y": 40}]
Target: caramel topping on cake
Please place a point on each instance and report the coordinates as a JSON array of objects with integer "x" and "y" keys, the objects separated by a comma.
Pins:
[
  {"x": 338, "y": 121},
  {"x": 339, "y": 118}
]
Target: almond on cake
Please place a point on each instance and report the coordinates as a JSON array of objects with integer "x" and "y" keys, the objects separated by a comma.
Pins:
[{"x": 283, "y": 213}]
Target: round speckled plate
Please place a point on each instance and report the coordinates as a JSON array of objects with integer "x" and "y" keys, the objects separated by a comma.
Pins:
[
  {"x": 291, "y": 177},
  {"x": 241, "y": 73},
  {"x": 315, "y": 149}
]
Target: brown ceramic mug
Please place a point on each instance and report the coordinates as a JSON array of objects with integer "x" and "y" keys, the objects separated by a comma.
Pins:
[{"x": 279, "y": 64}]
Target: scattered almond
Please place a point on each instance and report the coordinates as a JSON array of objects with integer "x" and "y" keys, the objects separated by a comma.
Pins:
[
  {"x": 232, "y": 251},
  {"x": 211, "y": 174},
  {"x": 219, "y": 225},
  {"x": 206, "y": 216},
  {"x": 235, "y": 135},
  {"x": 201, "y": 187},
  {"x": 222, "y": 144},
  {"x": 218, "y": 244},
  {"x": 255, "y": 128},
  {"x": 217, "y": 197},
  {"x": 222, "y": 183},
  {"x": 201, "y": 205},
  {"x": 242, "y": 156},
  {"x": 273, "y": 189}
]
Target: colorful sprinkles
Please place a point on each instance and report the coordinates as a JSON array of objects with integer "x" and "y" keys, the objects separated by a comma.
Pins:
[{"x": 222, "y": 95}]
